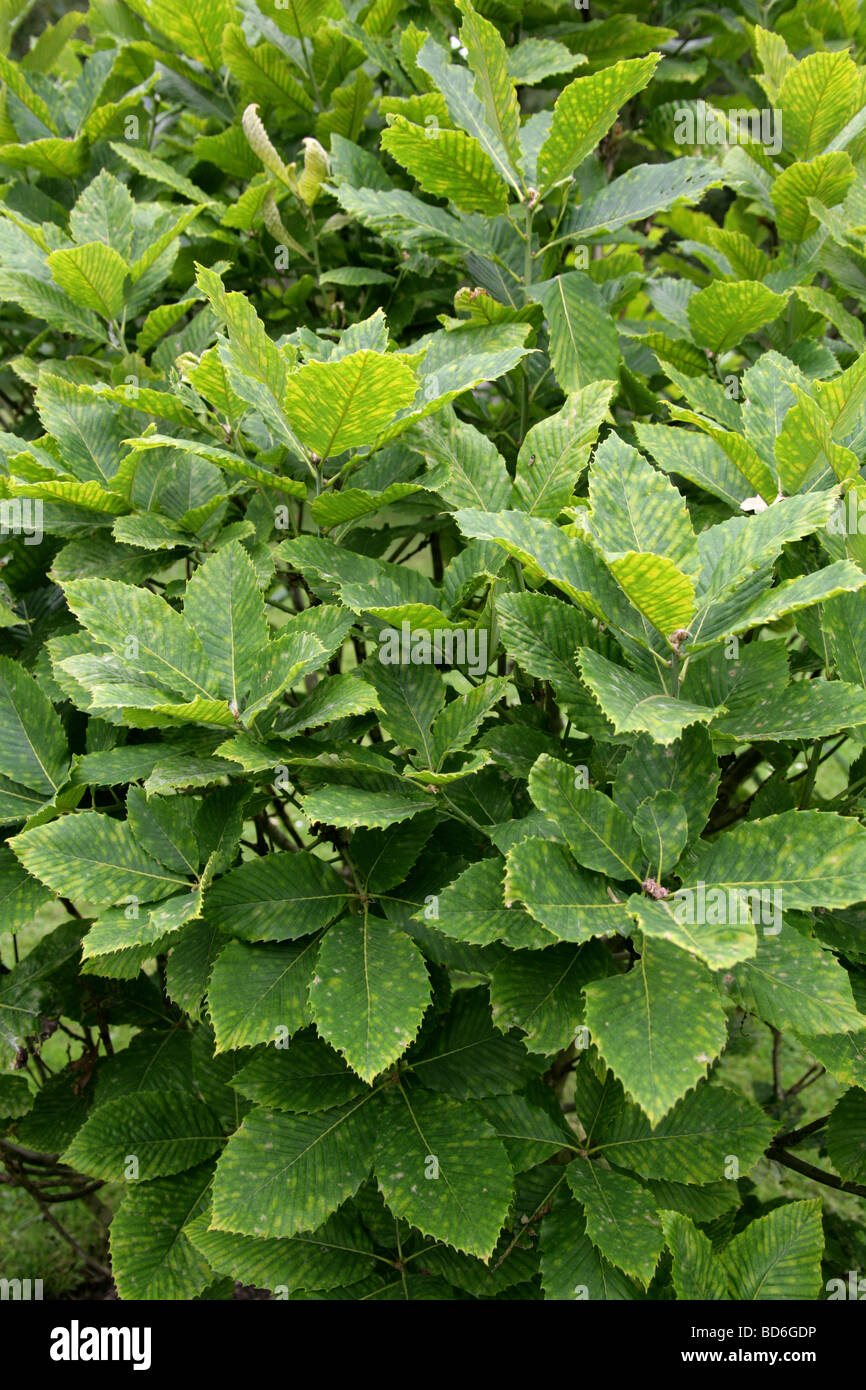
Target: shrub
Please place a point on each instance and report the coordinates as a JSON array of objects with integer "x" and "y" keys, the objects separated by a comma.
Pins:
[{"x": 433, "y": 644}]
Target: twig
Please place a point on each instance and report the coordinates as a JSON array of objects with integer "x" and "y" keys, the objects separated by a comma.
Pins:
[
  {"x": 809, "y": 1170},
  {"x": 89, "y": 1260},
  {"x": 778, "y": 1088},
  {"x": 806, "y": 1079},
  {"x": 796, "y": 1136}
]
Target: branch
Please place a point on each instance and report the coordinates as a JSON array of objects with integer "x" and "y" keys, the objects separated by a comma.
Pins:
[
  {"x": 89, "y": 1260},
  {"x": 808, "y": 1170},
  {"x": 796, "y": 1136},
  {"x": 28, "y": 1155},
  {"x": 778, "y": 1088}
]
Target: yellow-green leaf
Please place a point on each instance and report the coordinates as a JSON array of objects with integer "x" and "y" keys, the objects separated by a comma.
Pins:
[{"x": 94, "y": 275}]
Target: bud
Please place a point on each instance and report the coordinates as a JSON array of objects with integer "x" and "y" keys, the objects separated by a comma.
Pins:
[
  {"x": 273, "y": 221},
  {"x": 259, "y": 143},
  {"x": 315, "y": 171}
]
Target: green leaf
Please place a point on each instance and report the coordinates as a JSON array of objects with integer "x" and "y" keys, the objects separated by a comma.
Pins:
[
  {"x": 440, "y": 1166},
  {"x": 225, "y": 609},
  {"x": 657, "y": 524},
  {"x": 57, "y": 159},
  {"x": 20, "y": 895},
  {"x": 144, "y": 632},
  {"x": 166, "y": 830},
  {"x": 596, "y": 831},
  {"x": 695, "y": 456},
  {"x": 827, "y": 177},
  {"x": 337, "y": 508},
  {"x": 816, "y": 98},
  {"x": 411, "y": 698},
  {"x": 195, "y": 31},
  {"x": 263, "y": 72},
  {"x": 569, "y": 563},
  {"x": 694, "y": 1141},
  {"x": 337, "y": 1254},
  {"x": 281, "y": 1174},
  {"x": 793, "y": 983},
  {"x": 473, "y": 909},
  {"x": 305, "y": 1075},
  {"x": 543, "y": 635},
  {"x": 354, "y": 806},
  {"x": 805, "y": 450},
  {"x": 540, "y": 993},
  {"x": 16, "y": 1097},
  {"x": 447, "y": 164},
  {"x": 332, "y": 698},
  {"x": 277, "y": 898},
  {"x": 715, "y": 927},
  {"x": 657, "y": 589},
  {"x": 259, "y": 993},
  {"x": 585, "y": 111},
  {"x": 93, "y": 275},
  {"x": 489, "y": 60},
  {"x": 583, "y": 342},
  {"x": 104, "y": 212},
  {"x": 813, "y": 858},
  {"x": 778, "y": 1257},
  {"x": 165, "y": 1131},
  {"x": 384, "y": 858},
  {"x": 789, "y": 596},
  {"x": 571, "y": 903},
  {"x": 531, "y": 60},
  {"x": 723, "y": 314},
  {"x": 804, "y": 710},
  {"x": 457, "y": 724},
  {"x": 663, "y": 827},
  {"x": 465, "y": 107},
  {"x": 467, "y": 1056},
  {"x": 639, "y": 1021},
  {"x": 45, "y": 301},
  {"x": 846, "y": 1136},
  {"x": 735, "y": 550},
  {"x": 32, "y": 742},
  {"x": 555, "y": 451},
  {"x": 27, "y": 990},
  {"x": 620, "y": 1217},
  {"x": 695, "y": 1270},
  {"x": 409, "y": 222},
  {"x": 633, "y": 705},
  {"x": 641, "y": 192},
  {"x": 531, "y": 1126},
  {"x": 572, "y": 1267},
  {"x": 89, "y": 433},
  {"x": 464, "y": 466},
  {"x": 152, "y": 1256},
  {"x": 334, "y": 406},
  {"x": 22, "y": 87},
  {"x": 136, "y": 925},
  {"x": 95, "y": 858},
  {"x": 369, "y": 993}
]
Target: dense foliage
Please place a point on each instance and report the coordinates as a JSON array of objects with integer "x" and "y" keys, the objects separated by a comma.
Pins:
[{"x": 433, "y": 646}]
